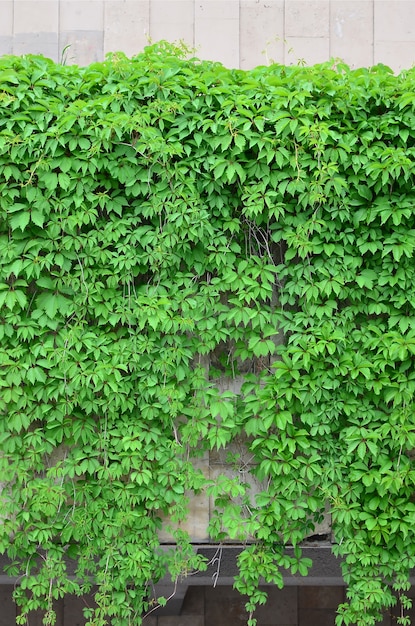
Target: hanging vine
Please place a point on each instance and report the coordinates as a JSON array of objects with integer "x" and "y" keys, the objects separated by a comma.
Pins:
[{"x": 159, "y": 214}]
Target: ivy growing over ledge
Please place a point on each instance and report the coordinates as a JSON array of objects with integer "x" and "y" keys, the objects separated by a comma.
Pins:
[{"x": 163, "y": 222}]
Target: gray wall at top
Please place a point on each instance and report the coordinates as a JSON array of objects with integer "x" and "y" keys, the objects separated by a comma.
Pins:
[{"x": 239, "y": 33}]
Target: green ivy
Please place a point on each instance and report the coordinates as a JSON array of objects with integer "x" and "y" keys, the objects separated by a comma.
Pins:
[{"x": 167, "y": 224}]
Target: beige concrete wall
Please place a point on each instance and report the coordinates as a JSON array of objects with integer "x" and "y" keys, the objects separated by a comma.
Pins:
[{"x": 239, "y": 33}]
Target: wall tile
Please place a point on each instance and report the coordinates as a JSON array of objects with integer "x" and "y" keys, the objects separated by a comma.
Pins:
[
  {"x": 324, "y": 597},
  {"x": 224, "y": 607},
  {"x": 85, "y": 47},
  {"x": 6, "y": 15},
  {"x": 217, "y": 31},
  {"x": 6, "y": 44},
  {"x": 198, "y": 519},
  {"x": 181, "y": 620},
  {"x": 172, "y": 20},
  {"x": 398, "y": 55},
  {"x": 307, "y": 18},
  {"x": 394, "y": 20},
  {"x": 8, "y": 607},
  {"x": 72, "y": 609},
  {"x": 314, "y": 617},
  {"x": 37, "y": 43},
  {"x": 81, "y": 15},
  {"x": 231, "y": 612},
  {"x": 387, "y": 621},
  {"x": 31, "y": 16},
  {"x": 281, "y": 607},
  {"x": 352, "y": 21},
  {"x": 126, "y": 26},
  {"x": 194, "y": 601},
  {"x": 261, "y": 33}
]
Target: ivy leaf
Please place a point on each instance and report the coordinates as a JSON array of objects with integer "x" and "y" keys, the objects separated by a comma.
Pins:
[
  {"x": 52, "y": 303},
  {"x": 37, "y": 217},
  {"x": 20, "y": 220}
]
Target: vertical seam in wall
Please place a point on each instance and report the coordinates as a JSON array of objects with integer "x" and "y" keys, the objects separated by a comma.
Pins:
[
  {"x": 149, "y": 22},
  {"x": 59, "y": 32},
  {"x": 148, "y": 31},
  {"x": 373, "y": 32},
  {"x": 103, "y": 32},
  {"x": 283, "y": 33},
  {"x": 13, "y": 22},
  {"x": 330, "y": 46},
  {"x": 194, "y": 23},
  {"x": 239, "y": 34},
  {"x": 101, "y": 56}
]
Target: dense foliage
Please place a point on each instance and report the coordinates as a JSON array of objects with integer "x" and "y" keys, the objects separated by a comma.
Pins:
[{"x": 162, "y": 222}]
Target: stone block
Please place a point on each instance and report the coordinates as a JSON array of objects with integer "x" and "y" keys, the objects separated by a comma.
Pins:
[
  {"x": 216, "y": 34},
  {"x": 37, "y": 43},
  {"x": 8, "y": 607},
  {"x": 280, "y": 608},
  {"x": 394, "y": 20},
  {"x": 351, "y": 32},
  {"x": 79, "y": 15},
  {"x": 126, "y": 26},
  {"x": 36, "y": 17},
  {"x": 306, "y": 50},
  {"x": 172, "y": 20},
  {"x": 261, "y": 33},
  {"x": 312, "y": 617},
  {"x": 243, "y": 476},
  {"x": 225, "y": 383},
  {"x": 220, "y": 594},
  {"x": 323, "y": 527},
  {"x": 194, "y": 601},
  {"x": 181, "y": 620},
  {"x": 224, "y": 607},
  {"x": 307, "y": 18},
  {"x": 398, "y": 55},
  {"x": 6, "y": 21},
  {"x": 174, "y": 595},
  {"x": 58, "y": 605},
  {"x": 198, "y": 518},
  {"x": 73, "y": 609},
  {"x": 321, "y": 597},
  {"x": 6, "y": 44},
  {"x": 85, "y": 47}
]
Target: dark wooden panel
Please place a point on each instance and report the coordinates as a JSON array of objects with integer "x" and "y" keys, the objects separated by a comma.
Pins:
[
  {"x": 73, "y": 606},
  {"x": 7, "y": 607}
]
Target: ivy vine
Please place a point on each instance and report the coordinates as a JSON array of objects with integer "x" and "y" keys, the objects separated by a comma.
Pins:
[{"x": 165, "y": 224}]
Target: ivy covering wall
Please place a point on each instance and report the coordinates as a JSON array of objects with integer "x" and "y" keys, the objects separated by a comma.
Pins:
[{"x": 162, "y": 222}]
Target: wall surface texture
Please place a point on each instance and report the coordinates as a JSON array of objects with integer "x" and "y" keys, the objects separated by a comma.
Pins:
[
  {"x": 220, "y": 606},
  {"x": 239, "y": 33}
]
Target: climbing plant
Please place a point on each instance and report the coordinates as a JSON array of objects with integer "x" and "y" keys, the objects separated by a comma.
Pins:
[{"x": 166, "y": 225}]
